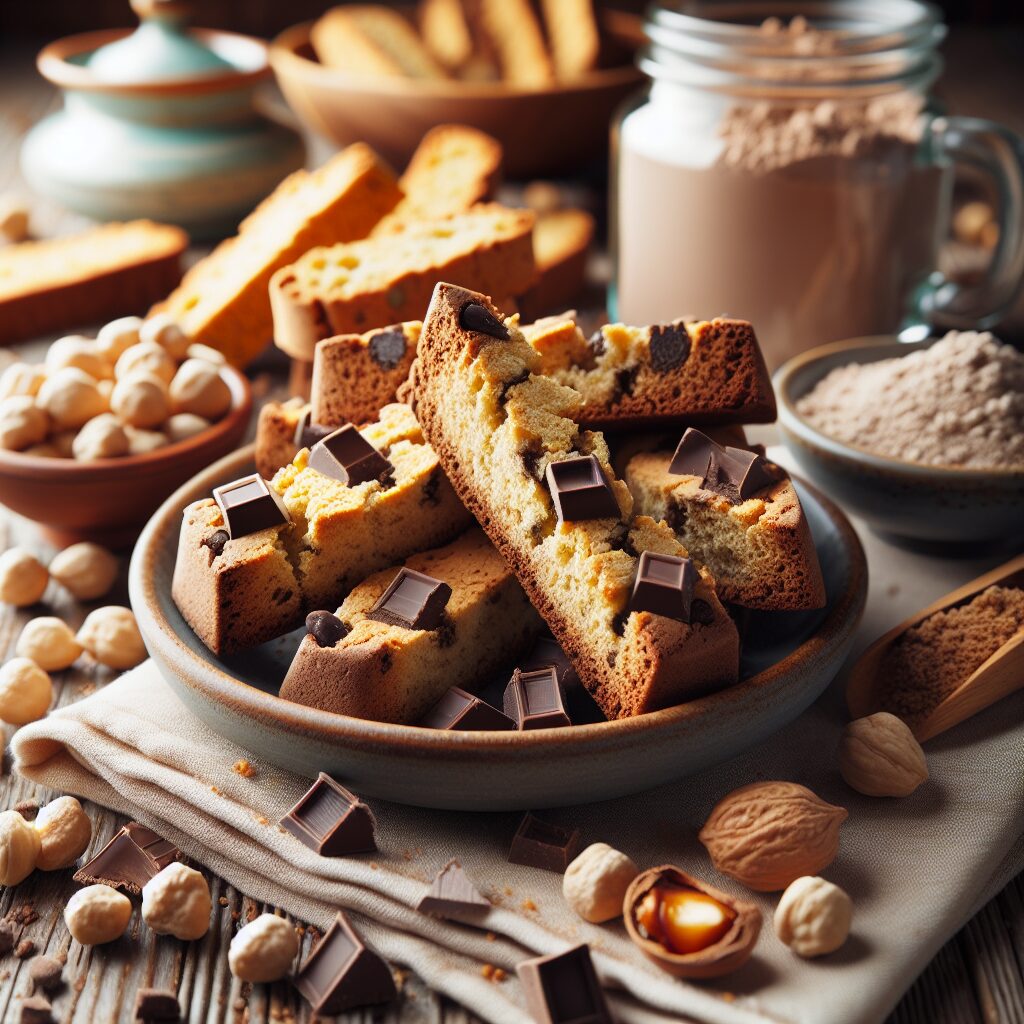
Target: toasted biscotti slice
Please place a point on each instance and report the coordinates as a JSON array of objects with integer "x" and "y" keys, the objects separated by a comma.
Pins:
[
  {"x": 574, "y": 36},
  {"x": 446, "y": 32},
  {"x": 497, "y": 425},
  {"x": 276, "y": 429},
  {"x": 351, "y": 288},
  {"x": 389, "y": 672},
  {"x": 703, "y": 372},
  {"x": 515, "y": 32},
  {"x": 561, "y": 242},
  {"x": 222, "y": 301},
  {"x": 372, "y": 39},
  {"x": 759, "y": 549}
]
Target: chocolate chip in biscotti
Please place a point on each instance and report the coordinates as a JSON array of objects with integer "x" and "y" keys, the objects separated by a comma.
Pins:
[
  {"x": 307, "y": 433},
  {"x": 734, "y": 473},
  {"x": 413, "y": 600},
  {"x": 669, "y": 347},
  {"x": 387, "y": 347},
  {"x": 664, "y": 586},
  {"x": 347, "y": 456},
  {"x": 216, "y": 541},
  {"x": 579, "y": 490},
  {"x": 326, "y": 628},
  {"x": 249, "y": 505},
  {"x": 477, "y": 317},
  {"x": 702, "y": 613}
]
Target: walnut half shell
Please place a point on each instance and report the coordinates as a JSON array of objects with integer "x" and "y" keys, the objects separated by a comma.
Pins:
[{"x": 726, "y": 955}]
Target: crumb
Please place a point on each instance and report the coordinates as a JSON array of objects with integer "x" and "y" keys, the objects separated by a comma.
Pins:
[
  {"x": 892, "y": 590},
  {"x": 28, "y": 809},
  {"x": 244, "y": 768},
  {"x": 373, "y": 865},
  {"x": 728, "y": 997},
  {"x": 499, "y": 974},
  {"x": 487, "y": 971},
  {"x": 223, "y": 901},
  {"x": 262, "y": 821},
  {"x": 24, "y": 948},
  {"x": 214, "y": 789},
  {"x": 508, "y": 890},
  {"x": 491, "y": 937},
  {"x": 84, "y": 689},
  {"x": 528, "y": 905}
]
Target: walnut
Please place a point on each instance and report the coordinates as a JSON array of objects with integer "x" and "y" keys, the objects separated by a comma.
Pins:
[
  {"x": 879, "y": 756},
  {"x": 813, "y": 917}
]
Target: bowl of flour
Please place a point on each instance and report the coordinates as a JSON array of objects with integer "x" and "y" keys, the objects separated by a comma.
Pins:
[{"x": 923, "y": 441}]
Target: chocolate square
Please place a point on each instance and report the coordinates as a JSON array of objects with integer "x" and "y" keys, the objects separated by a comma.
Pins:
[
  {"x": 249, "y": 505},
  {"x": 734, "y": 473},
  {"x": 331, "y": 820},
  {"x": 539, "y": 844},
  {"x": 347, "y": 456},
  {"x": 154, "y": 1004},
  {"x": 664, "y": 586},
  {"x": 413, "y": 600},
  {"x": 534, "y": 700},
  {"x": 563, "y": 988},
  {"x": 134, "y": 856},
  {"x": 460, "y": 710},
  {"x": 692, "y": 455},
  {"x": 452, "y": 895},
  {"x": 579, "y": 490},
  {"x": 307, "y": 433},
  {"x": 474, "y": 316},
  {"x": 546, "y": 651}
]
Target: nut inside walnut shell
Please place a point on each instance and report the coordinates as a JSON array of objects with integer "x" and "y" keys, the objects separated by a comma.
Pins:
[{"x": 725, "y": 954}]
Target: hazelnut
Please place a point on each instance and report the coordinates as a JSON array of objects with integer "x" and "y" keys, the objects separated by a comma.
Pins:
[
  {"x": 596, "y": 882},
  {"x": 86, "y": 570},
  {"x": 43, "y": 451},
  {"x": 19, "y": 847},
  {"x": 21, "y": 379},
  {"x": 49, "y": 642},
  {"x": 263, "y": 950},
  {"x": 97, "y": 914},
  {"x": 71, "y": 397},
  {"x": 141, "y": 400},
  {"x": 176, "y": 901},
  {"x": 199, "y": 388},
  {"x": 185, "y": 425},
  {"x": 142, "y": 442},
  {"x": 813, "y": 917},
  {"x": 64, "y": 833},
  {"x": 64, "y": 443},
  {"x": 103, "y": 437},
  {"x": 118, "y": 336},
  {"x": 197, "y": 350},
  {"x": 25, "y": 692},
  {"x": 879, "y": 756},
  {"x": 23, "y": 578},
  {"x": 22, "y": 423},
  {"x": 112, "y": 637},
  {"x": 14, "y": 222},
  {"x": 79, "y": 352},
  {"x": 163, "y": 330},
  {"x": 146, "y": 357}
]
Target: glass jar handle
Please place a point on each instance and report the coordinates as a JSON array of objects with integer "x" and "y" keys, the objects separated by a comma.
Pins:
[{"x": 999, "y": 154}]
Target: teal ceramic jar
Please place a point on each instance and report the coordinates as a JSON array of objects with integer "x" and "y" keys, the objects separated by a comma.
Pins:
[{"x": 159, "y": 123}]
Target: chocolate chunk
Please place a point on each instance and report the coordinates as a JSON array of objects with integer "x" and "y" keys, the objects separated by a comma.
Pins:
[
  {"x": 35, "y": 1010},
  {"x": 347, "y": 456},
  {"x": 134, "y": 856},
  {"x": 387, "y": 347},
  {"x": 477, "y": 317},
  {"x": 539, "y": 844},
  {"x": 326, "y": 628},
  {"x": 216, "y": 541},
  {"x": 546, "y": 651},
  {"x": 414, "y": 600},
  {"x": 341, "y": 973},
  {"x": 45, "y": 972},
  {"x": 692, "y": 455},
  {"x": 664, "y": 586},
  {"x": 534, "y": 700},
  {"x": 701, "y": 612},
  {"x": 156, "y": 1005},
  {"x": 734, "y": 473},
  {"x": 579, "y": 490},
  {"x": 669, "y": 347},
  {"x": 249, "y": 505},
  {"x": 331, "y": 820},
  {"x": 453, "y": 896},
  {"x": 563, "y": 988},
  {"x": 6, "y": 937},
  {"x": 460, "y": 710},
  {"x": 307, "y": 433}
]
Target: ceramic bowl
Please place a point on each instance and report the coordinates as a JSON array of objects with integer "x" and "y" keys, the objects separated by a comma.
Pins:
[
  {"x": 908, "y": 501},
  {"x": 109, "y": 500},
  {"x": 543, "y": 131},
  {"x": 788, "y": 661}
]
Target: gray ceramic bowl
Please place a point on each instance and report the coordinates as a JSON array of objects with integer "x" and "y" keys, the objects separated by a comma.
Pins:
[
  {"x": 908, "y": 501},
  {"x": 789, "y": 660}
]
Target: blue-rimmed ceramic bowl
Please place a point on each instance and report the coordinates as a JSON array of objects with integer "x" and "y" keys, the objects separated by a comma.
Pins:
[{"x": 907, "y": 501}]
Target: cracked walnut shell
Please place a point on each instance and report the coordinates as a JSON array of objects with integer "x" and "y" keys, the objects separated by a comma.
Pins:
[{"x": 879, "y": 756}]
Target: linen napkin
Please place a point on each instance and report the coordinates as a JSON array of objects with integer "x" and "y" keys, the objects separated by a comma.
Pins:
[{"x": 916, "y": 868}]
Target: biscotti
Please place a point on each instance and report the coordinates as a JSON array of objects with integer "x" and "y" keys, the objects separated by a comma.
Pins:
[
  {"x": 276, "y": 434},
  {"x": 222, "y": 300},
  {"x": 544, "y": 492},
  {"x": 561, "y": 242},
  {"x": 351, "y": 288},
  {"x": 574, "y": 36},
  {"x": 446, "y": 32},
  {"x": 516, "y": 34},
  {"x": 392, "y": 668},
  {"x": 100, "y": 274},
  {"x": 703, "y": 372}
]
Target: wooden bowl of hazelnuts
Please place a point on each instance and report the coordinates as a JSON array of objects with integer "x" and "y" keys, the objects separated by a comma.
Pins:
[{"x": 95, "y": 438}]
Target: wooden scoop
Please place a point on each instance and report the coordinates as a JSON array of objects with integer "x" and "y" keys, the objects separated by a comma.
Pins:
[{"x": 998, "y": 677}]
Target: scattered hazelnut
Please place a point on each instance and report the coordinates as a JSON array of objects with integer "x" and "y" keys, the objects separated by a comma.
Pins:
[
  {"x": 79, "y": 352},
  {"x": 19, "y": 847},
  {"x": 22, "y": 423},
  {"x": 111, "y": 635},
  {"x": 163, "y": 329},
  {"x": 23, "y": 578},
  {"x": 199, "y": 388},
  {"x": 117, "y": 336},
  {"x": 49, "y": 642},
  {"x": 14, "y": 222},
  {"x": 142, "y": 442},
  {"x": 879, "y": 756},
  {"x": 596, "y": 882},
  {"x": 25, "y": 692},
  {"x": 185, "y": 425},
  {"x": 263, "y": 950},
  {"x": 146, "y": 357},
  {"x": 813, "y": 917},
  {"x": 197, "y": 350},
  {"x": 45, "y": 972},
  {"x": 86, "y": 570},
  {"x": 176, "y": 901},
  {"x": 64, "y": 443},
  {"x": 141, "y": 400},
  {"x": 21, "y": 379},
  {"x": 64, "y": 833},
  {"x": 43, "y": 451},
  {"x": 6, "y": 937},
  {"x": 103, "y": 437},
  {"x": 97, "y": 914},
  {"x": 71, "y": 397}
]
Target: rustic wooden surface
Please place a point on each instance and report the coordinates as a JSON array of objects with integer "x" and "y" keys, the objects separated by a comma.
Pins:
[{"x": 977, "y": 978}]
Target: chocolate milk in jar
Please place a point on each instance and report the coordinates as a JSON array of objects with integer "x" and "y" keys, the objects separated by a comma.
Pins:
[{"x": 786, "y": 173}]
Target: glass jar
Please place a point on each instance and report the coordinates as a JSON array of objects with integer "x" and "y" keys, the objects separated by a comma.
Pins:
[{"x": 786, "y": 166}]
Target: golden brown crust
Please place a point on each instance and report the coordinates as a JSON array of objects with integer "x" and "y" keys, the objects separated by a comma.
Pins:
[
  {"x": 275, "y": 435},
  {"x": 561, "y": 244}
]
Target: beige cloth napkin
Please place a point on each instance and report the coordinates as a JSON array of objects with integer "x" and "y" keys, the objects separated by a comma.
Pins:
[{"x": 916, "y": 868}]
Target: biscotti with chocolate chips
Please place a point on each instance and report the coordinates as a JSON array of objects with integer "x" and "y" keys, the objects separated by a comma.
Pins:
[
  {"x": 544, "y": 492},
  {"x": 701, "y": 372},
  {"x": 449, "y": 617}
]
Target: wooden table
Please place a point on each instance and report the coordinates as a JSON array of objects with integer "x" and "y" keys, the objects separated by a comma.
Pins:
[{"x": 977, "y": 978}]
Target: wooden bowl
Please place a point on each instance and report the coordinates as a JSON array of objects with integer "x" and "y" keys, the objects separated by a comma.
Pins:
[
  {"x": 789, "y": 660},
  {"x": 543, "y": 131},
  {"x": 109, "y": 500}
]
